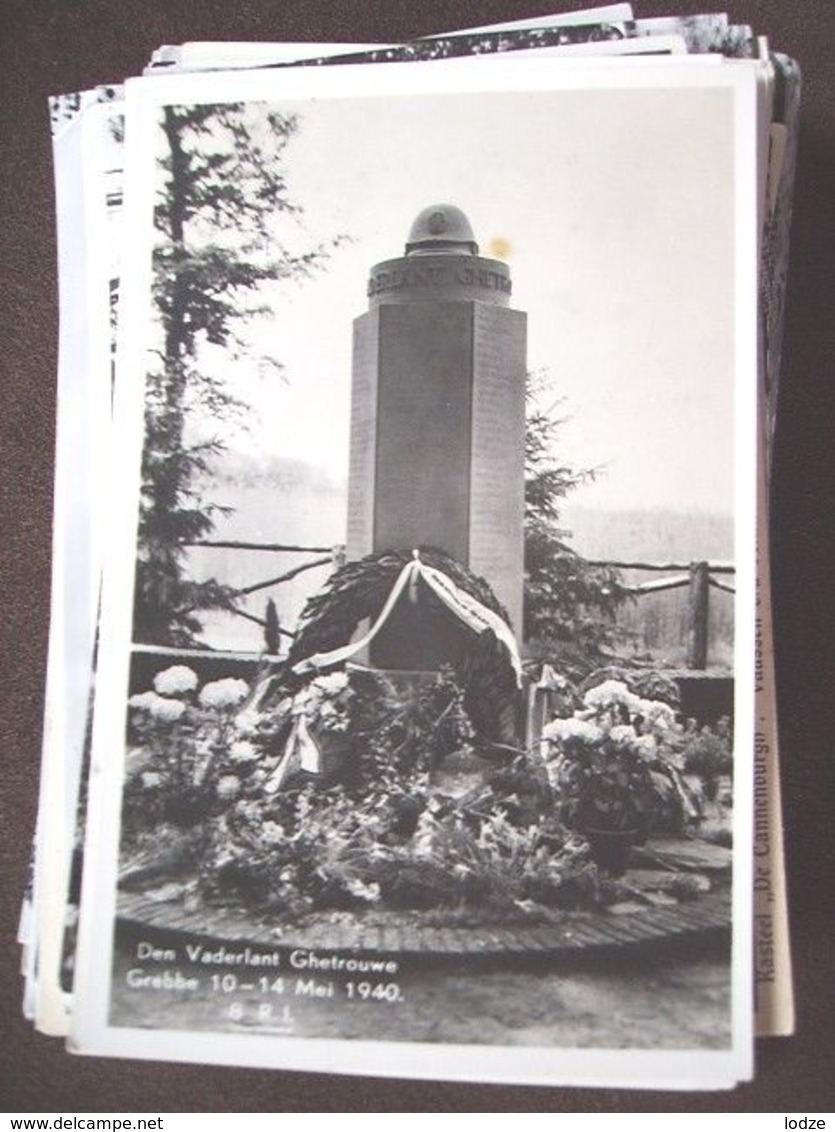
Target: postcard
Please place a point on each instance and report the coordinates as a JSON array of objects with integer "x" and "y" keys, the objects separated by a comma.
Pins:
[{"x": 351, "y": 854}]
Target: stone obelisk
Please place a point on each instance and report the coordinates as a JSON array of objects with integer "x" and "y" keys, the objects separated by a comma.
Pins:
[{"x": 438, "y": 425}]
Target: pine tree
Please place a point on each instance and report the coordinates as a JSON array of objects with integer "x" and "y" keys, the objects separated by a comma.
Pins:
[
  {"x": 570, "y": 605},
  {"x": 222, "y": 198}
]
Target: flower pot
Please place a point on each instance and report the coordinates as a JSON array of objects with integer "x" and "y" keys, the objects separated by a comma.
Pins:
[{"x": 610, "y": 848}]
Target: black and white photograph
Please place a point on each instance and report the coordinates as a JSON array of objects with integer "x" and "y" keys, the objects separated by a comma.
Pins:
[
  {"x": 415, "y": 687},
  {"x": 426, "y": 657}
]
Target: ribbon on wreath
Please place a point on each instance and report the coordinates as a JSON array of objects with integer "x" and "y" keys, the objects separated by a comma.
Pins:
[
  {"x": 301, "y": 752},
  {"x": 466, "y": 608}
]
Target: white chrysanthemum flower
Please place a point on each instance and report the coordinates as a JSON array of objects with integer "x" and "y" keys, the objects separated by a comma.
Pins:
[
  {"x": 242, "y": 751},
  {"x": 228, "y": 787},
  {"x": 226, "y": 693},
  {"x": 659, "y": 714},
  {"x": 331, "y": 684},
  {"x": 610, "y": 693},
  {"x": 142, "y": 701},
  {"x": 623, "y": 735},
  {"x": 164, "y": 710},
  {"x": 562, "y": 730},
  {"x": 248, "y": 721},
  {"x": 175, "y": 681},
  {"x": 273, "y": 833}
]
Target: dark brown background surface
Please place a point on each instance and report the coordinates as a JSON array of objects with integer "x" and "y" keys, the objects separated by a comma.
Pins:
[{"x": 49, "y": 46}]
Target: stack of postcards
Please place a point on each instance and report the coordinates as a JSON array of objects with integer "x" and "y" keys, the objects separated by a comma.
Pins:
[{"x": 410, "y": 703}]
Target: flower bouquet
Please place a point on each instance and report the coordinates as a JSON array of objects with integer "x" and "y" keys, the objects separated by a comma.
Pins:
[
  {"x": 179, "y": 737},
  {"x": 613, "y": 772}
]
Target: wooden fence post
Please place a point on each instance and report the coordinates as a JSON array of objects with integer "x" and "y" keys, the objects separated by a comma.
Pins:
[{"x": 697, "y": 613}]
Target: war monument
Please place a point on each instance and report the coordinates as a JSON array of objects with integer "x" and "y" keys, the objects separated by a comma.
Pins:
[{"x": 438, "y": 427}]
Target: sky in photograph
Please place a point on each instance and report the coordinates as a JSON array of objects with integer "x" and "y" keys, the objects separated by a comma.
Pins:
[{"x": 614, "y": 212}]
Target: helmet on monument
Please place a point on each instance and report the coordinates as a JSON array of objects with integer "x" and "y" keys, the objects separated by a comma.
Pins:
[{"x": 439, "y": 229}]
